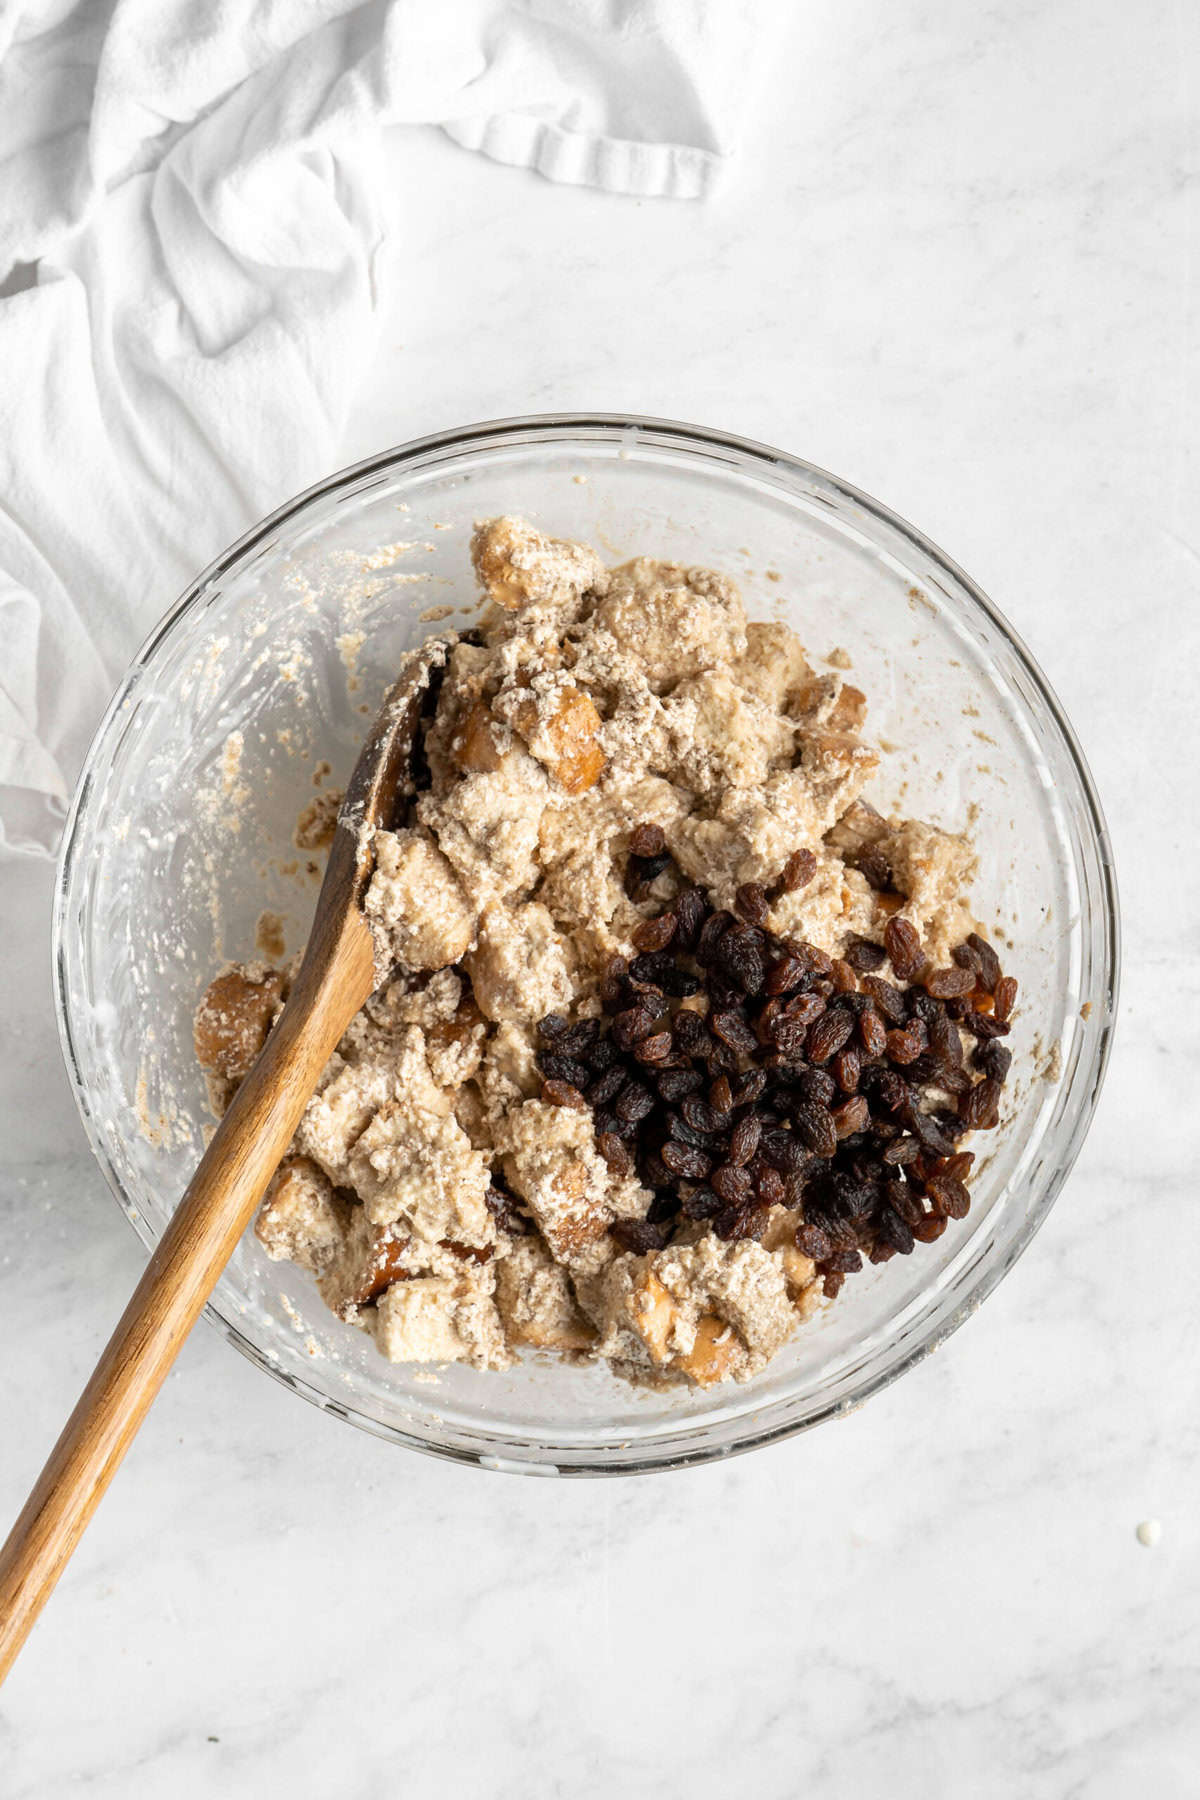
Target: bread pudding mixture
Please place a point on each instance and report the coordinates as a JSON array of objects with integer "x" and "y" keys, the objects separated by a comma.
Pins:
[{"x": 634, "y": 1087}]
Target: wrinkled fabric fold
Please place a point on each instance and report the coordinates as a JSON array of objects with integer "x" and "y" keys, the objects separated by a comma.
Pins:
[{"x": 201, "y": 192}]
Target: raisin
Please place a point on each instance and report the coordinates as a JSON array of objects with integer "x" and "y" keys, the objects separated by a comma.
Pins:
[
  {"x": 816, "y": 1127},
  {"x": 690, "y": 911},
  {"x": 845, "y": 981},
  {"x": 562, "y": 1093},
  {"x": 743, "y": 1144},
  {"x": 614, "y": 990},
  {"x": 683, "y": 1133},
  {"x": 851, "y": 1116},
  {"x": 1006, "y": 998},
  {"x": 701, "y": 1203},
  {"x": 553, "y": 1026},
  {"x": 813, "y": 1242},
  {"x": 768, "y": 1184},
  {"x": 846, "y": 1068},
  {"x": 828, "y": 1035},
  {"x": 733, "y": 1185},
  {"x": 655, "y": 934},
  {"x": 735, "y": 1223},
  {"x": 615, "y": 1153},
  {"x": 947, "y": 984},
  {"x": 700, "y": 1115},
  {"x": 949, "y": 1196},
  {"x": 679, "y": 984},
  {"x": 967, "y": 957},
  {"x": 985, "y": 1025},
  {"x": 885, "y": 1086},
  {"x": 929, "y": 1227},
  {"x": 873, "y": 1032},
  {"x": 647, "y": 839},
  {"x": 711, "y": 933},
  {"x": 563, "y": 1068},
  {"x": 993, "y": 1058},
  {"x": 796, "y": 872},
  {"x": 634, "y": 1103},
  {"x": 630, "y": 1026},
  {"x": 647, "y": 968},
  {"x": 865, "y": 957},
  {"x": 653, "y": 1049},
  {"x": 639, "y": 1236},
  {"x": 875, "y": 868},
  {"x": 958, "y": 1166},
  {"x": 817, "y": 1087},
  {"x": 901, "y": 1151},
  {"x": 686, "y": 1162},
  {"x": 751, "y": 903},
  {"x": 979, "y": 1108},
  {"x": 674, "y": 1084},
  {"x": 887, "y": 998},
  {"x": 904, "y": 948},
  {"x": 784, "y": 976},
  {"x": 732, "y": 1029},
  {"x": 653, "y": 1171},
  {"x": 944, "y": 1040},
  {"x": 740, "y": 952},
  {"x": 892, "y": 1229},
  {"x": 606, "y": 1087},
  {"x": 988, "y": 961},
  {"x": 784, "y": 1151},
  {"x": 903, "y": 1046},
  {"x": 747, "y": 1089}
]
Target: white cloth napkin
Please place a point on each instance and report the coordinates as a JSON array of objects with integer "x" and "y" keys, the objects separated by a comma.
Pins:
[{"x": 198, "y": 187}]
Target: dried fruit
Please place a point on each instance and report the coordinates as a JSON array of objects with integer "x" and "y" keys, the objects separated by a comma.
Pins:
[
  {"x": 634, "y": 1103},
  {"x": 788, "y": 1090},
  {"x": 655, "y": 934},
  {"x": 555, "y": 1067},
  {"x": 903, "y": 946},
  {"x": 683, "y": 1160},
  {"x": 948, "y": 1196},
  {"x": 752, "y": 903},
  {"x": 864, "y": 956},
  {"x": 690, "y": 911},
  {"x": 562, "y": 1093},
  {"x": 639, "y": 1236},
  {"x": 888, "y": 999},
  {"x": 1005, "y": 998},
  {"x": 979, "y": 1107},
  {"x": 647, "y": 839},
  {"x": 946, "y": 984},
  {"x": 796, "y": 872},
  {"x": 829, "y": 1034},
  {"x": 743, "y": 1143},
  {"x": 816, "y": 1128},
  {"x": 615, "y": 1153},
  {"x": 987, "y": 960}
]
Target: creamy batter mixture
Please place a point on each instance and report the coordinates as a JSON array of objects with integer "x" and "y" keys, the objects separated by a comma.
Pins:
[{"x": 439, "y": 1199}]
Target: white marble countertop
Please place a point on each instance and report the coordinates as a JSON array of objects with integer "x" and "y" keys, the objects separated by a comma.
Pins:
[{"x": 954, "y": 267}]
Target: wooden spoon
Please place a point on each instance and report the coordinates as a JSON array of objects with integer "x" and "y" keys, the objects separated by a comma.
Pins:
[{"x": 336, "y": 976}]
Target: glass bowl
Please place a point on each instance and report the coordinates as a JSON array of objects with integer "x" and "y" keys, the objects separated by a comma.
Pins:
[{"x": 256, "y": 688}]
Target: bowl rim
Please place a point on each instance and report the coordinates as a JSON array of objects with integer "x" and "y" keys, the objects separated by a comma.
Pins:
[{"x": 1090, "y": 1073}]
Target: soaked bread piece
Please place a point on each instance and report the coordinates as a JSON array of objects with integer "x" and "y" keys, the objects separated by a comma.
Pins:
[{"x": 463, "y": 1183}]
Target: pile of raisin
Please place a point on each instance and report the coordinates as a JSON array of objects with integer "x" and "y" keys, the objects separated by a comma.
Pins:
[{"x": 806, "y": 1081}]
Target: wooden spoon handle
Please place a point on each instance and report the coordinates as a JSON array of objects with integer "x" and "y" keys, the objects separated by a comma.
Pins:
[{"x": 203, "y": 1234}]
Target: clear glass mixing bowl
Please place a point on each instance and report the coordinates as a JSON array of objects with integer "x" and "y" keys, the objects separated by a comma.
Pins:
[{"x": 271, "y": 664}]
